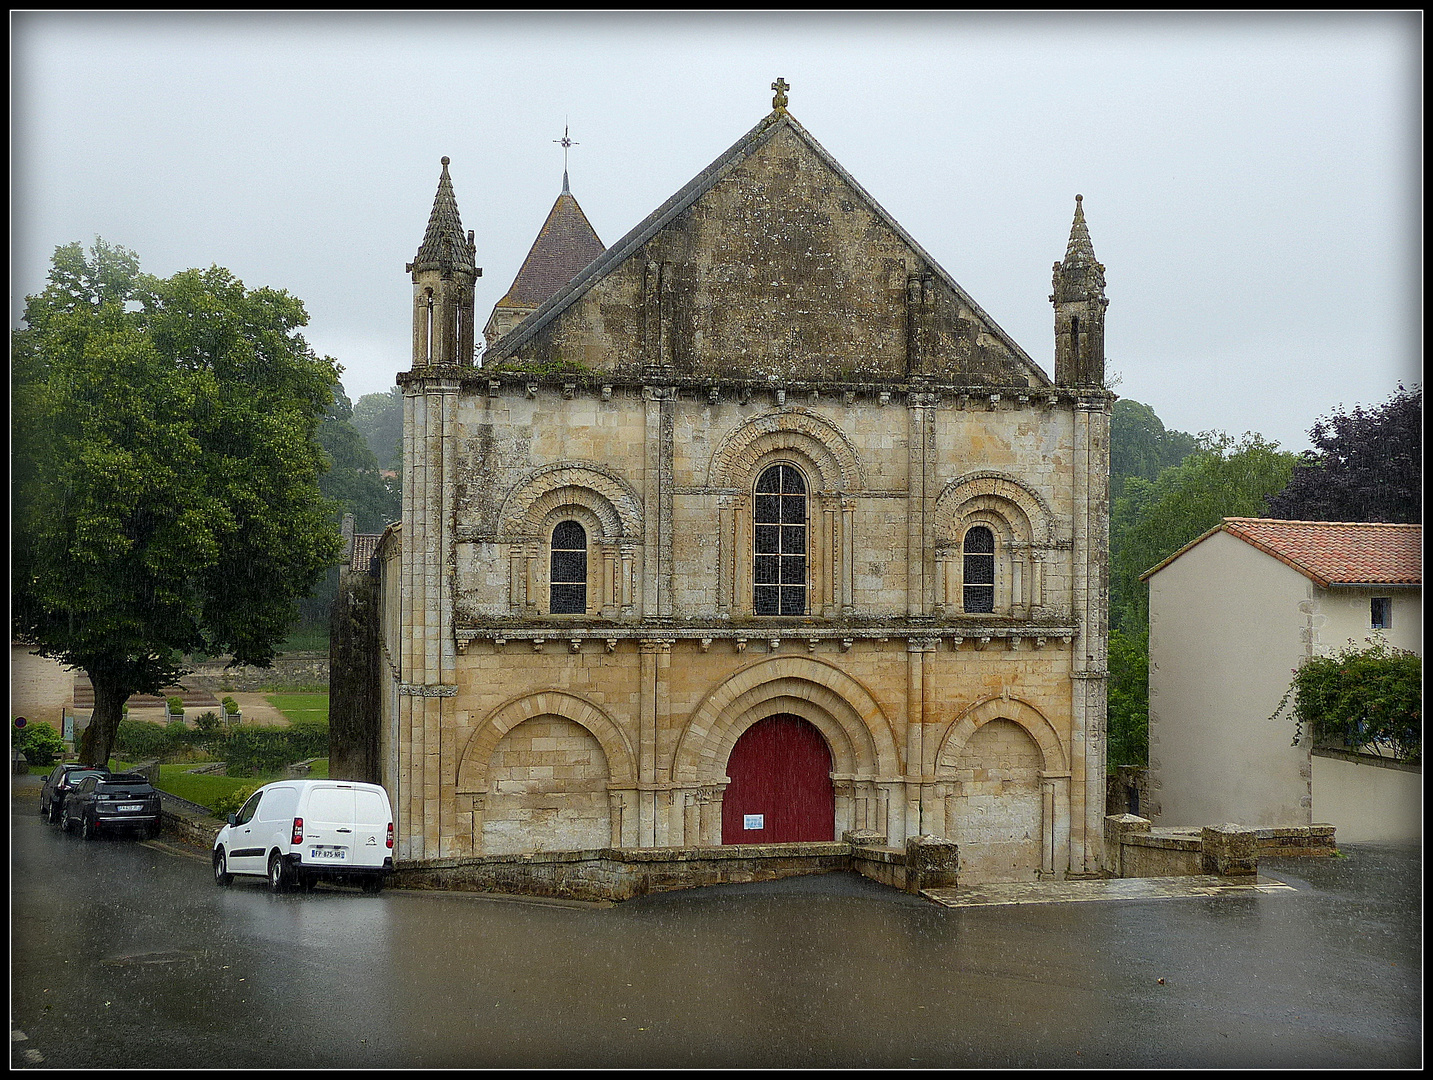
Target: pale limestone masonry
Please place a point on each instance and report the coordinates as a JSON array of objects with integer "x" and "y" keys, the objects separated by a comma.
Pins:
[{"x": 769, "y": 313}]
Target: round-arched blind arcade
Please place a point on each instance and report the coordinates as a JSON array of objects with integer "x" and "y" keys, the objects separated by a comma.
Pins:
[
  {"x": 568, "y": 577},
  {"x": 779, "y": 542},
  {"x": 979, "y": 570}
]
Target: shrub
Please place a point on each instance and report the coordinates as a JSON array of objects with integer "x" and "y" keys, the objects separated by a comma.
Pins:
[
  {"x": 230, "y": 803},
  {"x": 230, "y": 705},
  {"x": 252, "y": 750},
  {"x": 207, "y": 722},
  {"x": 140, "y": 740},
  {"x": 40, "y": 743},
  {"x": 1360, "y": 698}
]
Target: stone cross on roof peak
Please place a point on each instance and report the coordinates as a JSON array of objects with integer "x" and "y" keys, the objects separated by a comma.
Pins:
[{"x": 779, "y": 101}]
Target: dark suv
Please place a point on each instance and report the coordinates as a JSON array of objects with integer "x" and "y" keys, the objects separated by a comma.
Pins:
[
  {"x": 121, "y": 801},
  {"x": 58, "y": 784}
]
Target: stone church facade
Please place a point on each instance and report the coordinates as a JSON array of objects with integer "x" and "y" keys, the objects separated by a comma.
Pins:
[{"x": 758, "y": 531}]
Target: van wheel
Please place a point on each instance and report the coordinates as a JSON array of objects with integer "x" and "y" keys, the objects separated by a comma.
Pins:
[
  {"x": 308, "y": 882},
  {"x": 279, "y": 878},
  {"x": 372, "y": 885},
  {"x": 221, "y": 869}
]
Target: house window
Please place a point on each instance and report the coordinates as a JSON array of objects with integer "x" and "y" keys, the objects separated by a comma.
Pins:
[
  {"x": 979, "y": 570},
  {"x": 779, "y": 548},
  {"x": 1381, "y": 612},
  {"x": 568, "y": 577}
]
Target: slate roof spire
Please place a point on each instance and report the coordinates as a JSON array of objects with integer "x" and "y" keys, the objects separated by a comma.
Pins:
[{"x": 444, "y": 241}]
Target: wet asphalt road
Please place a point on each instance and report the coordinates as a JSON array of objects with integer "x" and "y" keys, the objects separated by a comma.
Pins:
[{"x": 126, "y": 954}]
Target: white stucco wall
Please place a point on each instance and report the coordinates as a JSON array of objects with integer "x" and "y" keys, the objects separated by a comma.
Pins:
[
  {"x": 1368, "y": 803},
  {"x": 1226, "y": 632},
  {"x": 1341, "y": 618}
]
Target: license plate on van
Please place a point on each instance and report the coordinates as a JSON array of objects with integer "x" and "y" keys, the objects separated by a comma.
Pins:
[{"x": 328, "y": 853}]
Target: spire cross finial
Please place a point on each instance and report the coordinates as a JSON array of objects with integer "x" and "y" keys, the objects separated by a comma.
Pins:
[
  {"x": 566, "y": 144},
  {"x": 780, "y": 86}
]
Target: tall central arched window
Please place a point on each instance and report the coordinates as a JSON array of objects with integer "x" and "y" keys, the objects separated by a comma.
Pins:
[
  {"x": 979, "y": 570},
  {"x": 779, "y": 521},
  {"x": 568, "y": 577}
]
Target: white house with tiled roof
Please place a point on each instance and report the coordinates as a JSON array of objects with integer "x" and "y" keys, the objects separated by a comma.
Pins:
[{"x": 1231, "y": 615}]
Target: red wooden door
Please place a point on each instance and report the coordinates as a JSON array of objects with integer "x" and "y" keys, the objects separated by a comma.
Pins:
[{"x": 780, "y": 789}]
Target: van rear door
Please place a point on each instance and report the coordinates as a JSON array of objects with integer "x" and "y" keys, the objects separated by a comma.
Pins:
[{"x": 328, "y": 826}]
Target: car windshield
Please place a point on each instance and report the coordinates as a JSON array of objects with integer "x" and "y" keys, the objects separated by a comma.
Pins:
[{"x": 75, "y": 777}]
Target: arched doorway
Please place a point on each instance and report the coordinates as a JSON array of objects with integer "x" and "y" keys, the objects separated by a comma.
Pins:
[{"x": 780, "y": 790}]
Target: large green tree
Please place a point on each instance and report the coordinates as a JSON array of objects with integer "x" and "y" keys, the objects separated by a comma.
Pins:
[
  {"x": 379, "y": 417},
  {"x": 1366, "y": 465},
  {"x": 1140, "y": 445},
  {"x": 354, "y": 480},
  {"x": 165, "y": 497},
  {"x": 1152, "y": 520}
]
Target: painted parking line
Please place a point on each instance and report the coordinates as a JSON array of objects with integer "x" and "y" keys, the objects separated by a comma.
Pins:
[{"x": 1067, "y": 892}]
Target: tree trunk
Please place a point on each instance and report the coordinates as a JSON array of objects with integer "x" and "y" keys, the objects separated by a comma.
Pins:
[{"x": 98, "y": 739}]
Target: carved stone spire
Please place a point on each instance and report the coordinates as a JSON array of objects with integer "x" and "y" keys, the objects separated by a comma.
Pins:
[
  {"x": 444, "y": 239},
  {"x": 1079, "y": 299},
  {"x": 444, "y": 274}
]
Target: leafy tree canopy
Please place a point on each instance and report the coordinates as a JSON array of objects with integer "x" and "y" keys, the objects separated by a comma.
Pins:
[
  {"x": 353, "y": 480},
  {"x": 1367, "y": 699},
  {"x": 165, "y": 493},
  {"x": 1140, "y": 446},
  {"x": 1365, "y": 466},
  {"x": 1152, "y": 520},
  {"x": 380, "y": 419}
]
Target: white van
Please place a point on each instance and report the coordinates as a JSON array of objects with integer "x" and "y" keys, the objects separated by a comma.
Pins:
[{"x": 298, "y": 832}]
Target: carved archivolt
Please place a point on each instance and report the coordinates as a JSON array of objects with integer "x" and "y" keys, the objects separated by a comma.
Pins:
[
  {"x": 473, "y": 765},
  {"x": 611, "y": 499},
  {"x": 1027, "y": 514},
  {"x": 815, "y": 438},
  {"x": 1015, "y": 710},
  {"x": 860, "y": 735}
]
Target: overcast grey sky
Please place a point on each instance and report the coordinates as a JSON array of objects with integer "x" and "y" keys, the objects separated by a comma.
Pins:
[{"x": 1252, "y": 183}]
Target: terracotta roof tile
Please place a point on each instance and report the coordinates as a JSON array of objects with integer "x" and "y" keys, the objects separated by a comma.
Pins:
[
  {"x": 365, "y": 545},
  {"x": 1331, "y": 552}
]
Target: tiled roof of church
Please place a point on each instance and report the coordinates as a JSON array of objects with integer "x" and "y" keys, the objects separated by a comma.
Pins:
[
  {"x": 443, "y": 224},
  {"x": 693, "y": 190},
  {"x": 365, "y": 545},
  {"x": 1330, "y": 552},
  {"x": 565, "y": 245}
]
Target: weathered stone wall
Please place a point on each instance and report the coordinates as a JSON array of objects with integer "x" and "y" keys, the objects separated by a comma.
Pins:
[
  {"x": 784, "y": 269},
  {"x": 356, "y": 683},
  {"x": 298, "y": 671}
]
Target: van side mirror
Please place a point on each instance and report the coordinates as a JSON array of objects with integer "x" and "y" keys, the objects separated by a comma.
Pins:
[{"x": 233, "y": 819}]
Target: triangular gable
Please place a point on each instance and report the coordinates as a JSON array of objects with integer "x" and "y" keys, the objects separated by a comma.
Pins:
[{"x": 700, "y": 185}]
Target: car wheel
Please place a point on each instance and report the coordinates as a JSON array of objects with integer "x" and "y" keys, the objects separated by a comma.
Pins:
[
  {"x": 221, "y": 869},
  {"x": 87, "y": 828},
  {"x": 279, "y": 877},
  {"x": 372, "y": 885},
  {"x": 65, "y": 823},
  {"x": 152, "y": 832},
  {"x": 55, "y": 813}
]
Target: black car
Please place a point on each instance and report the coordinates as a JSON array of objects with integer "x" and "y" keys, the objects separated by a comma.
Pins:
[
  {"x": 59, "y": 783},
  {"x": 106, "y": 803}
]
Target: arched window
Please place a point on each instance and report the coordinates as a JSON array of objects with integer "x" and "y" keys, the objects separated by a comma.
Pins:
[
  {"x": 568, "y": 577},
  {"x": 779, "y": 547},
  {"x": 979, "y": 570}
]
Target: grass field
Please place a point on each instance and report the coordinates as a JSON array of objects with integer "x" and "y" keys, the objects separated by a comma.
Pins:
[
  {"x": 300, "y": 706},
  {"x": 207, "y": 790}
]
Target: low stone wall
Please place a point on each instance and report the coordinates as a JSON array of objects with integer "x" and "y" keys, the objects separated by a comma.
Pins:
[
  {"x": 1135, "y": 848},
  {"x": 619, "y": 874},
  {"x": 290, "y": 671}
]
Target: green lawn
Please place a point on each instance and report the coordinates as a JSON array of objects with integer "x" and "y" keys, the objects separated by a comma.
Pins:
[
  {"x": 206, "y": 790},
  {"x": 300, "y": 706}
]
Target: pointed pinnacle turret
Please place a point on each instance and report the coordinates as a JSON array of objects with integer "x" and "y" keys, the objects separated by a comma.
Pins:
[
  {"x": 1081, "y": 276},
  {"x": 444, "y": 241}
]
